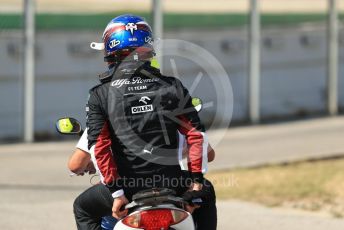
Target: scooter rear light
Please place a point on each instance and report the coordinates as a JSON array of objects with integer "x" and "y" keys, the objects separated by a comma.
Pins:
[
  {"x": 156, "y": 219},
  {"x": 178, "y": 216},
  {"x": 132, "y": 220}
]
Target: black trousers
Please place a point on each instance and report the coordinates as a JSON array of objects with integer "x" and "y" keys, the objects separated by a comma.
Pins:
[
  {"x": 96, "y": 202},
  {"x": 91, "y": 205},
  {"x": 205, "y": 217}
]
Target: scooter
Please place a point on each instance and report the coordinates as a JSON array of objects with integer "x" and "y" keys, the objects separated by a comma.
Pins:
[{"x": 154, "y": 209}]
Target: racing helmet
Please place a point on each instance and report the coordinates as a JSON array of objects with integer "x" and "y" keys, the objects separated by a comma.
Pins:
[{"x": 127, "y": 35}]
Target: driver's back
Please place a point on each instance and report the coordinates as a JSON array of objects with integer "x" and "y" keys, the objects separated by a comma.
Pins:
[{"x": 142, "y": 112}]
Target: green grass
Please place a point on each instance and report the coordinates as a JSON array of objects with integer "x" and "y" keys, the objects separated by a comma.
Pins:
[
  {"x": 171, "y": 21},
  {"x": 310, "y": 185}
]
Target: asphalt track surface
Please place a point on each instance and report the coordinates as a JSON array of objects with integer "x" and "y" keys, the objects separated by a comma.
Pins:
[{"x": 37, "y": 192}]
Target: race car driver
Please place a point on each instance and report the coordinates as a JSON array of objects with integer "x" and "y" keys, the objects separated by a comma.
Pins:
[{"x": 133, "y": 120}]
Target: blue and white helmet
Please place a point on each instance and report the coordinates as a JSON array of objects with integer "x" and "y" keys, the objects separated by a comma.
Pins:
[{"x": 126, "y": 33}]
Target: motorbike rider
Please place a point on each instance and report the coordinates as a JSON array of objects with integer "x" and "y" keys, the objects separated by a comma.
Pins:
[{"x": 133, "y": 118}]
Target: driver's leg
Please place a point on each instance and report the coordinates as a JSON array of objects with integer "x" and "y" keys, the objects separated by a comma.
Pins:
[
  {"x": 91, "y": 205},
  {"x": 205, "y": 217}
]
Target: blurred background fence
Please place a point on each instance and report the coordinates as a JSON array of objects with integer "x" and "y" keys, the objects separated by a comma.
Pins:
[{"x": 293, "y": 46}]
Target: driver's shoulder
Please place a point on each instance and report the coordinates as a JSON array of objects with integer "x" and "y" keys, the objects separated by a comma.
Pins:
[
  {"x": 94, "y": 89},
  {"x": 99, "y": 87}
]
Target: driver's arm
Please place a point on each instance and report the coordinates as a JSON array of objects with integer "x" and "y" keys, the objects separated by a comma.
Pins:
[
  {"x": 197, "y": 142},
  {"x": 99, "y": 143},
  {"x": 211, "y": 152}
]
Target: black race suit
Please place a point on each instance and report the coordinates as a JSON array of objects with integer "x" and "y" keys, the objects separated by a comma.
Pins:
[{"x": 134, "y": 120}]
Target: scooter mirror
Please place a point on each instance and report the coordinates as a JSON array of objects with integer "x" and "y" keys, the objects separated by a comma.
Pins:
[
  {"x": 197, "y": 103},
  {"x": 68, "y": 125}
]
